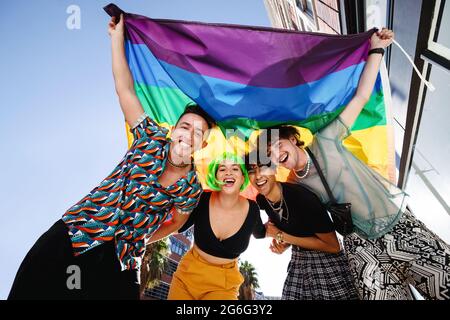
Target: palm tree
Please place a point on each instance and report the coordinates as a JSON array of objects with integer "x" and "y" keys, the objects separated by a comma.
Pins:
[
  {"x": 154, "y": 263},
  {"x": 247, "y": 289}
]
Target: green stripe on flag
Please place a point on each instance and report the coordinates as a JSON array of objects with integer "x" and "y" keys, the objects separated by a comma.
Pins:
[
  {"x": 372, "y": 115},
  {"x": 162, "y": 104},
  {"x": 165, "y": 105}
]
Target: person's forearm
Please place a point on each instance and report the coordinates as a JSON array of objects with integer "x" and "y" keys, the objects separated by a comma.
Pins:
[
  {"x": 364, "y": 90},
  {"x": 122, "y": 75},
  {"x": 123, "y": 80},
  {"x": 368, "y": 77},
  {"x": 311, "y": 243}
]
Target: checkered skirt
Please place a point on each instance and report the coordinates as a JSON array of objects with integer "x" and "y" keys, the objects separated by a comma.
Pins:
[{"x": 315, "y": 275}]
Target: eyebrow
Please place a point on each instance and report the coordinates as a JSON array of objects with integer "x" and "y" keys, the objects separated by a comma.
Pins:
[
  {"x": 185, "y": 123},
  {"x": 269, "y": 146},
  {"x": 196, "y": 129},
  {"x": 233, "y": 165}
]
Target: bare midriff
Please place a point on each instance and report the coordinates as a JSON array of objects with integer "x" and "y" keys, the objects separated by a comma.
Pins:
[{"x": 212, "y": 259}]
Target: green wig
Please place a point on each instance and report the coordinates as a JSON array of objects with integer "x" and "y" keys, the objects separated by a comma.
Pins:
[{"x": 211, "y": 178}]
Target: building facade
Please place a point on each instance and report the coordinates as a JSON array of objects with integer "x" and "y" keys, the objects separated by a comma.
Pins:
[{"x": 305, "y": 15}]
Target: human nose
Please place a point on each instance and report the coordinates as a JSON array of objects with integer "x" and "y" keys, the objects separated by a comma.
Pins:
[{"x": 257, "y": 172}]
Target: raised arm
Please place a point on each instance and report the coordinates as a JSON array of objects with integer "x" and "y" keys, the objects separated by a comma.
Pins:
[
  {"x": 131, "y": 107},
  {"x": 380, "y": 39}
]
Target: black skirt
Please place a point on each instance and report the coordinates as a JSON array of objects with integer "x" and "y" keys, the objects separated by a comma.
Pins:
[{"x": 50, "y": 271}]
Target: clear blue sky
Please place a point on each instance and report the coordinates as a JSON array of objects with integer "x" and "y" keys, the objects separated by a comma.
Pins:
[{"x": 61, "y": 129}]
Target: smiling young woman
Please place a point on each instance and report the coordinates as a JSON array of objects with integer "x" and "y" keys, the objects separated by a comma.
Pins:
[
  {"x": 223, "y": 223},
  {"x": 318, "y": 269}
]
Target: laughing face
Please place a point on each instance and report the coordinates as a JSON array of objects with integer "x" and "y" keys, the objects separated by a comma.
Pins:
[
  {"x": 188, "y": 135},
  {"x": 285, "y": 153},
  {"x": 230, "y": 176},
  {"x": 262, "y": 178}
]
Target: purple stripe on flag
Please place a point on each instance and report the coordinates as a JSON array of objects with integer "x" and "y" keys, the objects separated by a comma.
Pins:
[{"x": 247, "y": 55}]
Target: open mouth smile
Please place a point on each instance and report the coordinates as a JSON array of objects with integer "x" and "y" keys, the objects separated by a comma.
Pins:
[
  {"x": 284, "y": 157},
  {"x": 261, "y": 183},
  {"x": 229, "y": 182},
  {"x": 184, "y": 144}
]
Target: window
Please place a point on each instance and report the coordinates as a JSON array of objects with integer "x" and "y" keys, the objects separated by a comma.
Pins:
[
  {"x": 306, "y": 19},
  {"x": 439, "y": 43},
  {"x": 424, "y": 171},
  {"x": 443, "y": 36},
  {"x": 306, "y": 6},
  {"x": 178, "y": 247},
  {"x": 376, "y": 13},
  {"x": 429, "y": 178},
  {"x": 189, "y": 234}
]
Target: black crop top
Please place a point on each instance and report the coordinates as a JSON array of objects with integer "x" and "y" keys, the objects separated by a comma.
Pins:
[
  {"x": 305, "y": 215},
  {"x": 231, "y": 247}
]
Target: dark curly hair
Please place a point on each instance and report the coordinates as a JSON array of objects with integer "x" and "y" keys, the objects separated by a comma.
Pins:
[
  {"x": 284, "y": 132},
  {"x": 196, "y": 109}
]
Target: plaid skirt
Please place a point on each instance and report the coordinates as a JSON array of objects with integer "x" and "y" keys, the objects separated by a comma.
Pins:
[{"x": 315, "y": 275}]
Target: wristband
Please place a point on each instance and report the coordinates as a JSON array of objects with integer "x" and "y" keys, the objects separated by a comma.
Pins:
[{"x": 377, "y": 50}]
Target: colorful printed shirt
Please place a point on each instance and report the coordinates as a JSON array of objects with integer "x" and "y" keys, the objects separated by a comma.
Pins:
[{"x": 129, "y": 205}]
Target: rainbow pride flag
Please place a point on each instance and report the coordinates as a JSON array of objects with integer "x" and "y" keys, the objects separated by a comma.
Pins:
[{"x": 249, "y": 78}]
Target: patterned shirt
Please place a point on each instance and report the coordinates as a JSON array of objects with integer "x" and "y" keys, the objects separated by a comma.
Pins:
[{"x": 129, "y": 205}]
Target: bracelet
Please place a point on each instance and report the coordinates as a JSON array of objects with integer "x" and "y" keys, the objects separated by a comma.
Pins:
[
  {"x": 279, "y": 237},
  {"x": 377, "y": 50}
]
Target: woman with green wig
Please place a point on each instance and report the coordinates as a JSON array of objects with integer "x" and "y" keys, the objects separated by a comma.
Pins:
[{"x": 223, "y": 223}]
